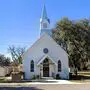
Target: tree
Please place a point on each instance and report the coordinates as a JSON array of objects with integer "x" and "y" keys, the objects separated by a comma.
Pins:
[
  {"x": 4, "y": 61},
  {"x": 16, "y": 53},
  {"x": 73, "y": 37}
]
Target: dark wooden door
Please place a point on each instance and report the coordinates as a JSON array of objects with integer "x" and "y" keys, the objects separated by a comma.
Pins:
[{"x": 46, "y": 68}]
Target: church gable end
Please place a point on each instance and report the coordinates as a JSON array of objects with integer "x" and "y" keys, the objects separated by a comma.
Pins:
[{"x": 45, "y": 57}]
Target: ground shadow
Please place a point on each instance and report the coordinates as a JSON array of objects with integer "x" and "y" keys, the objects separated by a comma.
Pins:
[
  {"x": 19, "y": 88},
  {"x": 80, "y": 77}
]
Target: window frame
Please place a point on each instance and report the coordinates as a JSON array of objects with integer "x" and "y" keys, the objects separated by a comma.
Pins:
[
  {"x": 32, "y": 66},
  {"x": 59, "y": 66}
]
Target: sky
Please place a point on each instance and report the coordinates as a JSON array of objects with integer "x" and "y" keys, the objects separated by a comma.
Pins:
[{"x": 20, "y": 19}]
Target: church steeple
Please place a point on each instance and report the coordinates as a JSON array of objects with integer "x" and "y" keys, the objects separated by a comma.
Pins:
[
  {"x": 44, "y": 22},
  {"x": 44, "y": 13}
]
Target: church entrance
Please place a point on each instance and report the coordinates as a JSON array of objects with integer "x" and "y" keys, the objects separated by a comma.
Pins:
[{"x": 46, "y": 68}]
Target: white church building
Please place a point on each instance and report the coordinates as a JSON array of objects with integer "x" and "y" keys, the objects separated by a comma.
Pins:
[{"x": 45, "y": 57}]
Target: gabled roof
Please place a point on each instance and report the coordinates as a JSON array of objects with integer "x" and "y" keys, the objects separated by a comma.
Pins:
[
  {"x": 45, "y": 34},
  {"x": 46, "y": 56},
  {"x": 32, "y": 45}
]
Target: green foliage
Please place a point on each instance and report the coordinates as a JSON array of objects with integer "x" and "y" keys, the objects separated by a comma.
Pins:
[
  {"x": 4, "y": 61},
  {"x": 58, "y": 76},
  {"x": 73, "y": 36},
  {"x": 35, "y": 77}
]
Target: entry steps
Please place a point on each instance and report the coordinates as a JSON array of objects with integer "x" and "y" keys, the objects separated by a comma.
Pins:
[{"x": 47, "y": 78}]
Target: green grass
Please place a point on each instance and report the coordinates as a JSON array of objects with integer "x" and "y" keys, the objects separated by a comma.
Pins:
[
  {"x": 3, "y": 80},
  {"x": 87, "y": 73},
  {"x": 80, "y": 81}
]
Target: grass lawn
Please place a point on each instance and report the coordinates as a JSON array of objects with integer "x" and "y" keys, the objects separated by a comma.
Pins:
[
  {"x": 4, "y": 80},
  {"x": 82, "y": 77},
  {"x": 83, "y": 72},
  {"x": 81, "y": 81}
]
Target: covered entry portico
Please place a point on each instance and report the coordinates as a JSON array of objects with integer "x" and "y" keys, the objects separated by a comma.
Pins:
[{"x": 47, "y": 66}]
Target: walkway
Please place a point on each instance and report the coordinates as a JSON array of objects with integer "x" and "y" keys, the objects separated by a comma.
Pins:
[{"x": 50, "y": 87}]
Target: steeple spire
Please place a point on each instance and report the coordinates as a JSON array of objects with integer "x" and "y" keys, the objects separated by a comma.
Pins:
[
  {"x": 45, "y": 22},
  {"x": 44, "y": 13}
]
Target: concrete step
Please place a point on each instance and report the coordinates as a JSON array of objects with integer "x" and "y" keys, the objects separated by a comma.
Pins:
[{"x": 47, "y": 78}]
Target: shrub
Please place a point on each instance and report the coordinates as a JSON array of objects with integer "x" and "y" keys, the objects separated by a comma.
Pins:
[
  {"x": 34, "y": 77},
  {"x": 37, "y": 76},
  {"x": 58, "y": 76}
]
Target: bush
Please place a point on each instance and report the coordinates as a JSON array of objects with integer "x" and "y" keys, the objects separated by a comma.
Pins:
[
  {"x": 58, "y": 76},
  {"x": 35, "y": 77},
  {"x": 70, "y": 75}
]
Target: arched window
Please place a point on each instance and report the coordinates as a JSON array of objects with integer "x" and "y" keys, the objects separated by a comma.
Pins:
[
  {"x": 59, "y": 66},
  {"x": 32, "y": 66}
]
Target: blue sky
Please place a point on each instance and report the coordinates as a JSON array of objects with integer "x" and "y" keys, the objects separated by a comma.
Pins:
[{"x": 19, "y": 19}]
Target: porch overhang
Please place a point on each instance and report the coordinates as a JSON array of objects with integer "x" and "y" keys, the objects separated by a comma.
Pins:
[{"x": 43, "y": 58}]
